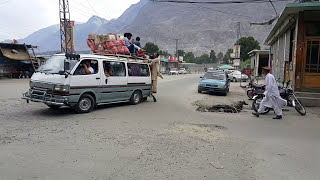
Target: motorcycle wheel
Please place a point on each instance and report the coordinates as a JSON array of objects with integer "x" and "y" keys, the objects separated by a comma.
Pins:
[
  {"x": 256, "y": 104},
  {"x": 299, "y": 107},
  {"x": 250, "y": 94}
]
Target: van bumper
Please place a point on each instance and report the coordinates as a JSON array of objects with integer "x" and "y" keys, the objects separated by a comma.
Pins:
[{"x": 48, "y": 99}]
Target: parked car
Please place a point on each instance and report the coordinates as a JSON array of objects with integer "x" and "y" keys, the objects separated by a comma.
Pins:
[
  {"x": 236, "y": 76},
  {"x": 182, "y": 71},
  {"x": 215, "y": 81},
  {"x": 174, "y": 71}
]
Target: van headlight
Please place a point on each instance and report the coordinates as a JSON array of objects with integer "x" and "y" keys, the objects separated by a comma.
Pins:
[
  {"x": 61, "y": 89},
  {"x": 221, "y": 86}
]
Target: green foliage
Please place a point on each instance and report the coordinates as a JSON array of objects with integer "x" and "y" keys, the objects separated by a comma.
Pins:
[
  {"x": 181, "y": 52},
  {"x": 189, "y": 57},
  {"x": 247, "y": 44},
  {"x": 164, "y": 53},
  {"x": 227, "y": 56},
  {"x": 203, "y": 59},
  {"x": 151, "y": 48},
  {"x": 245, "y": 63},
  {"x": 220, "y": 57},
  {"x": 213, "y": 56}
]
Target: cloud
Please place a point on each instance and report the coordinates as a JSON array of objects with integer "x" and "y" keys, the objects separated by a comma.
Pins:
[{"x": 19, "y": 18}]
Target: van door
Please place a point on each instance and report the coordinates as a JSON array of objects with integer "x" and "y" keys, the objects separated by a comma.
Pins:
[
  {"x": 114, "y": 82},
  {"x": 82, "y": 81},
  {"x": 139, "y": 77}
]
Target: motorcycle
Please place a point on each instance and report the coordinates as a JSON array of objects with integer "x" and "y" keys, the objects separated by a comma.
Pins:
[
  {"x": 285, "y": 93},
  {"x": 254, "y": 88}
]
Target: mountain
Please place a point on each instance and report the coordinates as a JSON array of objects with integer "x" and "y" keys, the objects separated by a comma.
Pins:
[
  {"x": 48, "y": 39},
  {"x": 199, "y": 28}
]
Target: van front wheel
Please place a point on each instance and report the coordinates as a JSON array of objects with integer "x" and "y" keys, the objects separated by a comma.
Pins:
[
  {"x": 85, "y": 104},
  {"x": 136, "y": 98}
]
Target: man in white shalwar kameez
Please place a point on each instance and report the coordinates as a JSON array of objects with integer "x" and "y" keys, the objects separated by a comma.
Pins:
[{"x": 272, "y": 98}]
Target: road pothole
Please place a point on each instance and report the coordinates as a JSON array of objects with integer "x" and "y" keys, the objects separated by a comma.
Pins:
[
  {"x": 206, "y": 132},
  {"x": 234, "y": 108}
]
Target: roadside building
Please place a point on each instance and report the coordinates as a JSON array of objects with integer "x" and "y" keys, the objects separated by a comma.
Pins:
[
  {"x": 259, "y": 59},
  {"x": 15, "y": 60},
  {"x": 167, "y": 63},
  {"x": 295, "y": 49}
]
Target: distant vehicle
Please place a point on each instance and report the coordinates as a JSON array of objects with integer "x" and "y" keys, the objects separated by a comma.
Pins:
[
  {"x": 228, "y": 71},
  {"x": 182, "y": 71},
  {"x": 215, "y": 81},
  {"x": 63, "y": 81},
  {"x": 236, "y": 76},
  {"x": 210, "y": 70},
  {"x": 174, "y": 71}
]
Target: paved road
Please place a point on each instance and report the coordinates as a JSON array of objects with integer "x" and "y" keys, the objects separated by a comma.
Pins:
[{"x": 163, "y": 140}]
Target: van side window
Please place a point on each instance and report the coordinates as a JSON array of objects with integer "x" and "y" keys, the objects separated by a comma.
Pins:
[
  {"x": 92, "y": 67},
  {"x": 135, "y": 69},
  {"x": 114, "y": 68}
]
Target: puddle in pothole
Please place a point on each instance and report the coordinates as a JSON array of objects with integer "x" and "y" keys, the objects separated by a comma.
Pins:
[{"x": 234, "y": 108}]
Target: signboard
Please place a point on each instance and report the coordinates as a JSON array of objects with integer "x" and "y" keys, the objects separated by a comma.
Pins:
[
  {"x": 173, "y": 59},
  {"x": 236, "y": 52},
  {"x": 236, "y": 62},
  {"x": 180, "y": 58},
  {"x": 70, "y": 40}
]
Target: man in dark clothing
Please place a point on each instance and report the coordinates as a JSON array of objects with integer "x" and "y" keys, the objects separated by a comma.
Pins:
[{"x": 137, "y": 42}]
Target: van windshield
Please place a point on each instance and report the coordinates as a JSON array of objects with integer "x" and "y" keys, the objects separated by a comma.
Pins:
[{"x": 53, "y": 65}]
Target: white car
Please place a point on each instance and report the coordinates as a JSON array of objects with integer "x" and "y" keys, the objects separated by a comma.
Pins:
[
  {"x": 182, "y": 71},
  {"x": 236, "y": 76},
  {"x": 174, "y": 71}
]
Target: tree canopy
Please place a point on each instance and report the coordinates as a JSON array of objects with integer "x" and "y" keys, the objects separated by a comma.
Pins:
[
  {"x": 213, "y": 56},
  {"x": 247, "y": 44},
  {"x": 220, "y": 57},
  {"x": 151, "y": 48}
]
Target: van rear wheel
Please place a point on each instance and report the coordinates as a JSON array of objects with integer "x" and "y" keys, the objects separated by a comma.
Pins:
[
  {"x": 136, "y": 98},
  {"x": 85, "y": 104}
]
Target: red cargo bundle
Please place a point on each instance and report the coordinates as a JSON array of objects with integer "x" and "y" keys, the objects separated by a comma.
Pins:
[{"x": 108, "y": 47}]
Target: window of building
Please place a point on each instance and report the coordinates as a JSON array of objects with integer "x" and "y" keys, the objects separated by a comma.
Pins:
[
  {"x": 92, "y": 66},
  {"x": 313, "y": 29},
  {"x": 313, "y": 57},
  {"x": 136, "y": 69},
  {"x": 114, "y": 68}
]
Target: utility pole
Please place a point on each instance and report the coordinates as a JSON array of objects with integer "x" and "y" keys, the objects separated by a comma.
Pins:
[
  {"x": 176, "y": 47},
  {"x": 237, "y": 53},
  {"x": 177, "y": 51},
  {"x": 65, "y": 27}
]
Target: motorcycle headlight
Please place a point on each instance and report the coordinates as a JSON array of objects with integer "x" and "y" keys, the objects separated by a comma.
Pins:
[{"x": 61, "y": 89}]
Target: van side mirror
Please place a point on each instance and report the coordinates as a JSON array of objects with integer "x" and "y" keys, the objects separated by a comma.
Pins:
[{"x": 66, "y": 65}]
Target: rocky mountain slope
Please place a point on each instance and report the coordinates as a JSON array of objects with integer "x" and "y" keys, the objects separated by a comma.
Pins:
[{"x": 199, "y": 28}]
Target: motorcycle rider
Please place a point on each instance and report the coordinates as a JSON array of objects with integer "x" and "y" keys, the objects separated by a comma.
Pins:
[{"x": 272, "y": 98}]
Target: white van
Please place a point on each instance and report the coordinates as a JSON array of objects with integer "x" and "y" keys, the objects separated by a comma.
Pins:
[{"x": 65, "y": 81}]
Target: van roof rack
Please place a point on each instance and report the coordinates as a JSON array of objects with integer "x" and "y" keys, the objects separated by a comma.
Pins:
[{"x": 121, "y": 55}]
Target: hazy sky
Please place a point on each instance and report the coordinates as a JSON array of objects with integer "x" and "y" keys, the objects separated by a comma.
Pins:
[{"x": 19, "y": 18}]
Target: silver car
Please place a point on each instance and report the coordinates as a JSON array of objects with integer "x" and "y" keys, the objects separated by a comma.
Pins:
[{"x": 236, "y": 76}]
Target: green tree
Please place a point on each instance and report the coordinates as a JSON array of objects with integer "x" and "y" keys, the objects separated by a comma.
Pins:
[
  {"x": 227, "y": 56},
  {"x": 247, "y": 44},
  {"x": 151, "y": 48},
  {"x": 213, "y": 56},
  {"x": 181, "y": 52},
  {"x": 203, "y": 59},
  {"x": 164, "y": 53},
  {"x": 189, "y": 57},
  {"x": 220, "y": 57}
]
